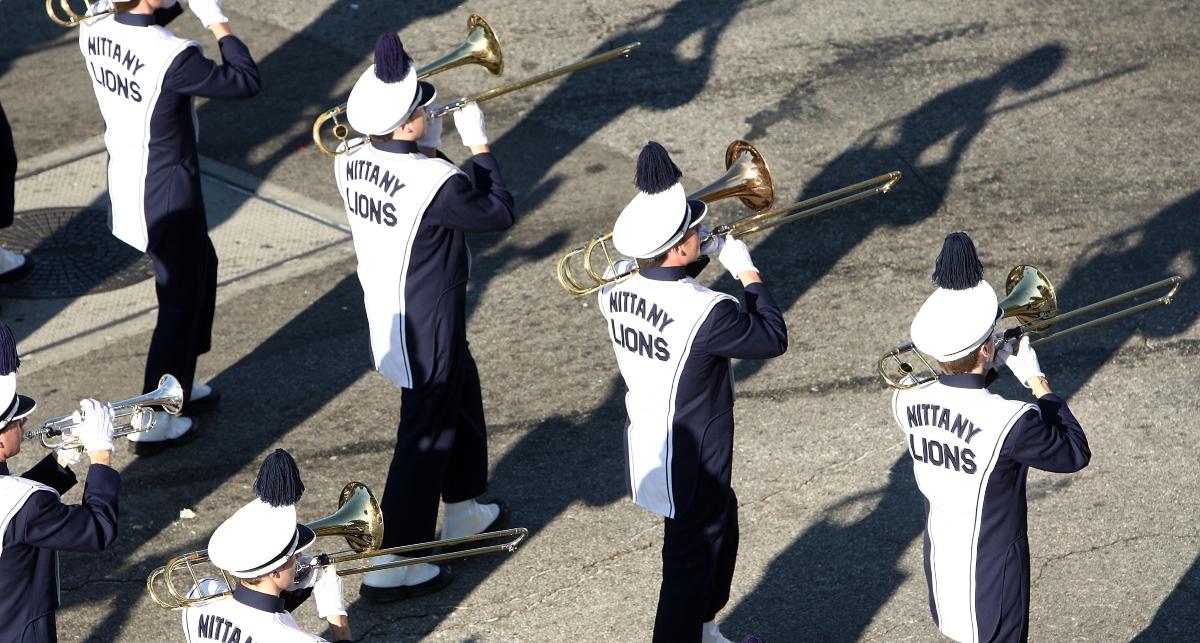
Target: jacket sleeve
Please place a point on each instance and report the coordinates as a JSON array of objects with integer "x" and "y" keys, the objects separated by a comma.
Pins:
[
  {"x": 52, "y": 474},
  {"x": 482, "y": 204},
  {"x": 194, "y": 75},
  {"x": 87, "y": 527},
  {"x": 758, "y": 333},
  {"x": 1049, "y": 438}
]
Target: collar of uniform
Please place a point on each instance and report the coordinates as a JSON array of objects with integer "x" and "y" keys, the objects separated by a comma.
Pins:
[
  {"x": 396, "y": 146},
  {"x": 135, "y": 19},
  {"x": 963, "y": 380},
  {"x": 4, "y": 469},
  {"x": 664, "y": 273},
  {"x": 257, "y": 600}
]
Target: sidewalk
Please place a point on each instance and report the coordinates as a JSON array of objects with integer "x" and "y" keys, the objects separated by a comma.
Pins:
[{"x": 263, "y": 234}]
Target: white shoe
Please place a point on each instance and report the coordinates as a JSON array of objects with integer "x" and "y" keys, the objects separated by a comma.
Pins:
[
  {"x": 199, "y": 390},
  {"x": 467, "y": 518},
  {"x": 400, "y": 576},
  {"x": 10, "y": 261},
  {"x": 166, "y": 427},
  {"x": 711, "y": 633}
]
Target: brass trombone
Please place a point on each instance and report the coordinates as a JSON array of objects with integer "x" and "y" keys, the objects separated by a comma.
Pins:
[
  {"x": 73, "y": 19},
  {"x": 748, "y": 179},
  {"x": 1030, "y": 299},
  {"x": 358, "y": 520},
  {"x": 482, "y": 47},
  {"x": 129, "y": 416}
]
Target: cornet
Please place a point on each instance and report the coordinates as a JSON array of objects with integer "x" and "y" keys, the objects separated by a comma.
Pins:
[
  {"x": 1030, "y": 299},
  {"x": 358, "y": 520},
  {"x": 129, "y": 416}
]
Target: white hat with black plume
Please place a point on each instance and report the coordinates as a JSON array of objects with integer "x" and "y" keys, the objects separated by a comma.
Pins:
[
  {"x": 660, "y": 214},
  {"x": 961, "y": 314},
  {"x": 386, "y": 94},
  {"x": 12, "y": 406},
  {"x": 261, "y": 536}
]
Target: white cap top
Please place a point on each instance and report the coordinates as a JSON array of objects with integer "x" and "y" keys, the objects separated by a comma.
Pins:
[
  {"x": 257, "y": 539},
  {"x": 952, "y": 323},
  {"x": 652, "y": 223}
]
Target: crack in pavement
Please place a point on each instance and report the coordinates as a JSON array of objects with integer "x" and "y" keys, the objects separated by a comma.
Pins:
[{"x": 1046, "y": 561}]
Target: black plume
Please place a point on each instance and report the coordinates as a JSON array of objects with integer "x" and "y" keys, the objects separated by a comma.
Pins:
[
  {"x": 958, "y": 266},
  {"x": 278, "y": 483},
  {"x": 656, "y": 172},
  {"x": 8, "y": 350},
  {"x": 391, "y": 61}
]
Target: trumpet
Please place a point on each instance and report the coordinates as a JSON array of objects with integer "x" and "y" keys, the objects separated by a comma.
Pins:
[
  {"x": 1031, "y": 300},
  {"x": 129, "y": 416},
  {"x": 358, "y": 520},
  {"x": 482, "y": 47},
  {"x": 74, "y": 19},
  {"x": 748, "y": 179}
]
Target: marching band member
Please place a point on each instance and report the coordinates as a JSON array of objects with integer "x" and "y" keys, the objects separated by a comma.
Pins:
[
  {"x": 673, "y": 340},
  {"x": 260, "y": 545},
  {"x": 12, "y": 264},
  {"x": 409, "y": 210},
  {"x": 34, "y": 523},
  {"x": 972, "y": 450},
  {"x": 145, "y": 79}
]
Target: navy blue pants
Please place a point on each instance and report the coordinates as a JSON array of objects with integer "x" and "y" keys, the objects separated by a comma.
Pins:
[
  {"x": 185, "y": 275},
  {"x": 699, "y": 554},
  {"x": 441, "y": 450},
  {"x": 8, "y": 171}
]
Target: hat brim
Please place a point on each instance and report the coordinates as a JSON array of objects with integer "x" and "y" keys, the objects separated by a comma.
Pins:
[{"x": 25, "y": 406}]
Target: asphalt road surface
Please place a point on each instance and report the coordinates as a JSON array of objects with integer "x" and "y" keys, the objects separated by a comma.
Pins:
[{"x": 1061, "y": 134}]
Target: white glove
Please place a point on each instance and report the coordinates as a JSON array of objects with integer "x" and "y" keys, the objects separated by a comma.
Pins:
[
  {"x": 735, "y": 256},
  {"x": 1023, "y": 362},
  {"x": 67, "y": 457},
  {"x": 208, "y": 11},
  {"x": 433, "y": 131},
  {"x": 328, "y": 593},
  {"x": 713, "y": 246},
  {"x": 98, "y": 7},
  {"x": 469, "y": 123},
  {"x": 95, "y": 426}
]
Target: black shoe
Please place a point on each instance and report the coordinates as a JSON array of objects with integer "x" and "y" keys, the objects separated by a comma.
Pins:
[
  {"x": 144, "y": 449},
  {"x": 17, "y": 274},
  {"x": 499, "y": 523},
  {"x": 391, "y": 594}
]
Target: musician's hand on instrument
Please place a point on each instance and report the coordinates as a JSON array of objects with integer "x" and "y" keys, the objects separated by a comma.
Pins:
[
  {"x": 67, "y": 457},
  {"x": 328, "y": 593},
  {"x": 469, "y": 123},
  {"x": 95, "y": 428},
  {"x": 735, "y": 256},
  {"x": 713, "y": 246},
  {"x": 208, "y": 11},
  {"x": 999, "y": 354},
  {"x": 1023, "y": 362},
  {"x": 432, "y": 139}
]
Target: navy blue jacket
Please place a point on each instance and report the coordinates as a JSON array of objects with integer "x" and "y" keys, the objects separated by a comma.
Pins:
[{"x": 44, "y": 525}]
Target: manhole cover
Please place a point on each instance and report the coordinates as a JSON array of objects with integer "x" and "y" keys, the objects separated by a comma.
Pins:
[{"x": 73, "y": 253}]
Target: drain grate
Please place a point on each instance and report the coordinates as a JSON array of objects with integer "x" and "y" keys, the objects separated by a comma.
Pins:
[{"x": 73, "y": 253}]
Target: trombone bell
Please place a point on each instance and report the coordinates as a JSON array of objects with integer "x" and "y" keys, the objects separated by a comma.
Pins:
[
  {"x": 482, "y": 47},
  {"x": 358, "y": 519},
  {"x": 1029, "y": 296},
  {"x": 747, "y": 177}
]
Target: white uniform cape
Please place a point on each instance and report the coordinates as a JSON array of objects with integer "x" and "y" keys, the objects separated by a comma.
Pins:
[
  {"x": 127, "y": 66},
  {"x": 385, "y": 201},
  {"x": 954, "y": 436},
  {"x": 651, "y": 352}
]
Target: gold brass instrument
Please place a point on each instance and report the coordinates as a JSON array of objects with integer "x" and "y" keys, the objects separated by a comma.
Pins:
[
  {"x": 457, "y": 104},
  {"x": 481, "y": 47},
  {"x": 129, "y": 416},
  {"x": 751, "y": 174},
  {"x": 73, "y": 19},
  {"x": 358, "y": 520},
  {"x": 1031, "y": 300}
]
